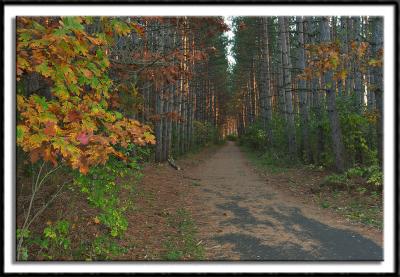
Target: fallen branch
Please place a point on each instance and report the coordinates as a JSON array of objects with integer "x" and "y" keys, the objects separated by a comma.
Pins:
[
  {"x": 191, "y": 178},
  {"x": 173, "y": 164}
]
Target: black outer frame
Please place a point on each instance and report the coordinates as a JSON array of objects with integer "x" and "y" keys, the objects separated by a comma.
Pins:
[{"x": 241, "y": 2}]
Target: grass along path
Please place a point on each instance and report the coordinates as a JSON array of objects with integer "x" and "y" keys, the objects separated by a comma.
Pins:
[{"x": 356, "y": 201}]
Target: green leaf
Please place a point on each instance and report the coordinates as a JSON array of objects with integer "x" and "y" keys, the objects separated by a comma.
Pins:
[
  {"x": 49, "y": 233},
  {"x": 43, "y": 69},
  {"x": 38, "y": 26},
  {"x": 60, "y": 32},
  {"x": 24, "y": 37},
  {"x": 23, "y": 233},
  {"x": 41, "y": 101},
  {"x": 72, "y": 23},
  {"x": 89, "y": 19},
  {"x": 38, "y": 138},
  {"x": 114, "y": 233},
  {"x": 20, "y": 133},
  {"x": 99, "y": 54},
  {"x": 95, "y": 82},
  {"x": 24, "y": 254},
  {"x": 62, "y": 93},
  {"x": 118, "y": 115},
  {"x": 48, "y": 116}
]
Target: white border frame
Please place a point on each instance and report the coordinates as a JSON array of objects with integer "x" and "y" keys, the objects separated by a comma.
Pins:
[{"x": 10, "y": 11}]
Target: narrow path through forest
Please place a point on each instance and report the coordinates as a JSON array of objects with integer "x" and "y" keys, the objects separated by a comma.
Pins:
[{"x": 242, "y": 216}]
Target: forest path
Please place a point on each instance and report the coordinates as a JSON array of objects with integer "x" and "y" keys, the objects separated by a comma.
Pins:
[{"x": 243, "y": 216}]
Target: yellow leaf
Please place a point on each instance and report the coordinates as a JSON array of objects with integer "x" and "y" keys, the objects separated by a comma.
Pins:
[{"x": 96, "y": 220}]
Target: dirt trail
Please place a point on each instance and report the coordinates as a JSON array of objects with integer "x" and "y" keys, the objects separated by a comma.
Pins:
[{"x": 242, "y": 215}]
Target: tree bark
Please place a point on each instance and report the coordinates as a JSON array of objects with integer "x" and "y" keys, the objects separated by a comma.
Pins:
[
  {"x": 336, "y": 131},
  {"x": 303, "y": 94},
  {"x": 288, "y": 88}
]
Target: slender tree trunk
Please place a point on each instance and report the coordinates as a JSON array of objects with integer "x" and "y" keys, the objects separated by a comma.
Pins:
[
  {"x": 265, "y": 93},
  {"x": 288, "y": 88},
  {"x": 336, "y": 131},
  {"x": 303, "y": 94},
  {"x": 359, "y": 94},
  {"x": 378, "y": 82}
]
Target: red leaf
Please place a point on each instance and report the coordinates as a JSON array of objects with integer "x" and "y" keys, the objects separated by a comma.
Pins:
[
  {"x": 50, "y": 129},
  {"x": 74, "y": 115},
  {"x": 83, "y": 138}
]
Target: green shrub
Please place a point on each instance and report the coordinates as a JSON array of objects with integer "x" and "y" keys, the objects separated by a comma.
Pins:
[
  {"x": 372, "y": 175},
  {"x": 99, "y": 184},
  {"x": 205, "y": 133},
  {"x": 231, "y": 137},
  {"x": 254, "y": 137},
  {"x": 52, "y": 244}
]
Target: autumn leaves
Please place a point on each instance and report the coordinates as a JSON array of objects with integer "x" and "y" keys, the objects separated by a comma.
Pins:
[{"x": 76, "y": 123}]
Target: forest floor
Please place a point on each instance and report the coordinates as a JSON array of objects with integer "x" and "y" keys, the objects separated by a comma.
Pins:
[{"x": 220, "y": 207}]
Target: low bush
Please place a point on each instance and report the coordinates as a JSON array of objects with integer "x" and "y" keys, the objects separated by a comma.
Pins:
[{"x": 231, "y": 137}]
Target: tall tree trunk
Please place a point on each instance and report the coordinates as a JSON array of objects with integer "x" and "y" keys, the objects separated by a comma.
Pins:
[
  {"x": 359, "y": 93},
  {"x": 265, "y": 93},
  {"x": 316, "y": 96},
  {"x": 378, "y": 82},
  {"x": 159, "y": 126},
  {"x": 303, "y": 93},
  {"x": 336, "y": 131},
  {"x": 288, "y": 88}
]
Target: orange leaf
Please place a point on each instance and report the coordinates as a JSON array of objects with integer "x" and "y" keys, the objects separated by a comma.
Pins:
[
  {"x": 50, "y": 129},
  {"x": 88, "y": 74},
  {"x": 35, "y": 155},
  {"x": 83, "y": 169}
]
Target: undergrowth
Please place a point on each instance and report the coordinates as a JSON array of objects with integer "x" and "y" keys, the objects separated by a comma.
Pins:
[{"x": 183, "y": 244}]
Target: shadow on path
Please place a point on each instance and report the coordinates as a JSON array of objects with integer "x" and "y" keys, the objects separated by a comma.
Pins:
[
  {"x": 251, "y": 220},
  {"x": 333, "y": 244}
]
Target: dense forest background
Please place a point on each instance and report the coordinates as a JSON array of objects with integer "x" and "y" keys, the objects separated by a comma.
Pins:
[
  {"x": 312, "y": 88},
  {"x": 97, "y": 97}
]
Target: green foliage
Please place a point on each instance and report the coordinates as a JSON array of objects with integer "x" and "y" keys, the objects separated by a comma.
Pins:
[
  {"x": 53, "y": 243},
  {"x": 231, "y": 137},
  {"x": 374, "y": 175},
  {"x": 269, "y": 160},
  {"x": 58, "y": 234},
  {"x": 101, "y": 186},
  {"x": 138, "y": 153},
  {"x": 271, "y": 156},
  {"x": 183, "y": 245},
  {"x": 371, "y": 174},
  {"x": 204, "y": 134},
  {"x": 103, "y": 192},
  {"x": 254, "y": 137},
  {"x": 101, "y": 248},
  {"x": 355, "y": 129},
  {"x": 325, "y": 204}
]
